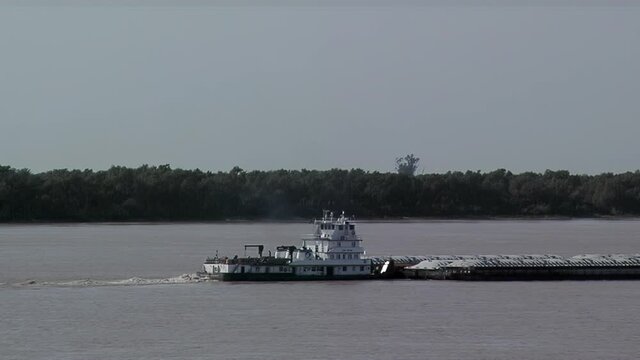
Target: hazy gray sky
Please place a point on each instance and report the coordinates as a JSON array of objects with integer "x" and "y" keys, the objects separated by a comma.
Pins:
[{"x": 287, "y": 84}]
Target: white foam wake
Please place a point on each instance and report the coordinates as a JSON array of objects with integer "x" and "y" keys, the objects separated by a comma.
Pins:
[{"x": 134, "y": 281}]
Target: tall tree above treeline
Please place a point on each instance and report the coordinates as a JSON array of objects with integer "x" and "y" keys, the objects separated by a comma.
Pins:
[
  {"x": 407, "y": 165},
  {"x": 161, "y": 193}
]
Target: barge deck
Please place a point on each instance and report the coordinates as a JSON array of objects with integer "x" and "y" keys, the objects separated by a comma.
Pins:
[{"x": 526, "y": 267}]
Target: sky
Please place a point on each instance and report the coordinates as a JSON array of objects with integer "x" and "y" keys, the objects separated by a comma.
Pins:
[{"x": 522, "y": 85}]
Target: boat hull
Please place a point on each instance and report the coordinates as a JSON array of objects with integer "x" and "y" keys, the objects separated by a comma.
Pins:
[{"x": 286, "y": 277}]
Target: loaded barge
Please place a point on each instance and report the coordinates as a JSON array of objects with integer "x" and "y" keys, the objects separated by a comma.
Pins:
[
  {"x": 334, "y": 252},
  {"x": 527, "y": 267}
]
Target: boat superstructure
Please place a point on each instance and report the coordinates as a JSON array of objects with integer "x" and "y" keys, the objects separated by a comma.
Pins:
[{"x": 333, "y": 251}]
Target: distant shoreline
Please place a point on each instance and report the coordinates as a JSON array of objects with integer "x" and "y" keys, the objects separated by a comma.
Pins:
[
  {"x": 162, "y": 194},
  {"x": 305, "y": 221}
]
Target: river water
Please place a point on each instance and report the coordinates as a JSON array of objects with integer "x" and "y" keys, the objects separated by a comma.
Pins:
[{"x": 59, "y": 297}]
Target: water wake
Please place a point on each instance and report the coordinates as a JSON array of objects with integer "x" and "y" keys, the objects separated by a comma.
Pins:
[{"x": 134, "y": 281}]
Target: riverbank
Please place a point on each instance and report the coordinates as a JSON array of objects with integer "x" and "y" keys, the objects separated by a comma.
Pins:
[{"x": 305, "y": 220}]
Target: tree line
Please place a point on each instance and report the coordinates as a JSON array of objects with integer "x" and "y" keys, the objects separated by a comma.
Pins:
[{"x": 158, "y": 193}]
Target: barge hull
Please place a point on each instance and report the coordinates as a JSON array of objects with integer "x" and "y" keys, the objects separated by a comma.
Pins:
[{"x": 527, "y": 274}]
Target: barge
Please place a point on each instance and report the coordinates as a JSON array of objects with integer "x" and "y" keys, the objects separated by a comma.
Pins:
[{"x": 527, "y": 267}]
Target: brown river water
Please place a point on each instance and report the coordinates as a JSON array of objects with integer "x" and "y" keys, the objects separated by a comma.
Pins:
[{"x": 72, "y": 292}]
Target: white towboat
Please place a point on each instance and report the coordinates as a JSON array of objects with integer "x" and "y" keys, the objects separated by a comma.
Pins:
[{"x": 332, "y": 252}]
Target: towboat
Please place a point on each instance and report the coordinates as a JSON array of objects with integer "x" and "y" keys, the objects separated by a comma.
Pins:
[{"x": 333, "y": 251}]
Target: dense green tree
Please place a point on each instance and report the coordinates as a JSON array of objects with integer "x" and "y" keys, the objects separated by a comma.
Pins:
[{"x": 162, "y": 193}]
